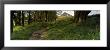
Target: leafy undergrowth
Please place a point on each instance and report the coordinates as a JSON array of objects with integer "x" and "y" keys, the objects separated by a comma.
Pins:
[
  {"x": 23, "y": 33},
  {"x": 66, "y": 30},
  {"x": 70, "y": 32},
  {"x": 63, "y": 29}
]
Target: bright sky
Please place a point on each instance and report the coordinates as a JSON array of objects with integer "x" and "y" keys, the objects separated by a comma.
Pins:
[
  {"x": 94, "y": 12},
  {"x": 91, "y": 13}
]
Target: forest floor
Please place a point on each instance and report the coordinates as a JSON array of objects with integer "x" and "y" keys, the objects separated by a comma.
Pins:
[
  {"x": 61, "y": 29},
  {"x": 37, "y": 35}
]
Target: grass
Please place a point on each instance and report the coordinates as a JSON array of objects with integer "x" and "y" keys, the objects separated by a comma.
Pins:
[
  {"x": 23, "y": 33},
  {"x": 63, "y": 29}
]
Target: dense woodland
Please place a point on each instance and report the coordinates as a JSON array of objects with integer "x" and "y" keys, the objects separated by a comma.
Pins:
[{"x": 47, "y": 25}]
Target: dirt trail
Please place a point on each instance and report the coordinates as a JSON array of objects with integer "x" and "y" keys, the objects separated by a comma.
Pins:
[{"x": 37, "y": 34}]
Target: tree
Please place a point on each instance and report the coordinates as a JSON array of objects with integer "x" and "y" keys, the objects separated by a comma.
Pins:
[
  {"x": 22, "y": 18},
  {"x": 54, "y": 15},
  {"x": 29, "y": 17},
  {"x": 19, "y": 17},
  {"x": 12, "y": 17},
  {"x": 82, "y": 15},
  {"x": 35, "y": 15},
  {"x": 46, "y": 12}
]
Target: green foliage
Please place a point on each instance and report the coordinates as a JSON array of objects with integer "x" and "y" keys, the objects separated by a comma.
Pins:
[
  {"x": 23, "y": 33},
  {"x": 60, "y": 30},
  {"x": 66, "y": 30}
]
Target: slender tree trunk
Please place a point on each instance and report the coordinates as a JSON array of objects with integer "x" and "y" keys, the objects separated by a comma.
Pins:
[
  {"x": 19, "y": 17},
  {"x": 22, "y": 18},
  {"x": 34, "y": 16},
  {"x": 29, "y": 18},
  {"x": 12, "y": 15},
  {"x": 46, "y": 14},
  {"x": 16, "y": 18}
]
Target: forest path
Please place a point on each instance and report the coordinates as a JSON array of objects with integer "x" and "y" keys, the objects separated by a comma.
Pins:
[{"x": 37, "y": 35}]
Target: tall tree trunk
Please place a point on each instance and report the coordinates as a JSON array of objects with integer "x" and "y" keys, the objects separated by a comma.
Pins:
[
  {"x": 34, "y": 16},
  {"x": 19, "y": 18},
  {"x": 83, "y": 15},
  {"x": 80, "y": 15},
  {"x": 29, "y": 18},
  {"x": 12, "y": 15},
  {"x": 76, "y": 16},
  {"x": 22, "y": 18},
  {"x": 46, "y": 14},
  {"x": 16, "y": 18}
]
